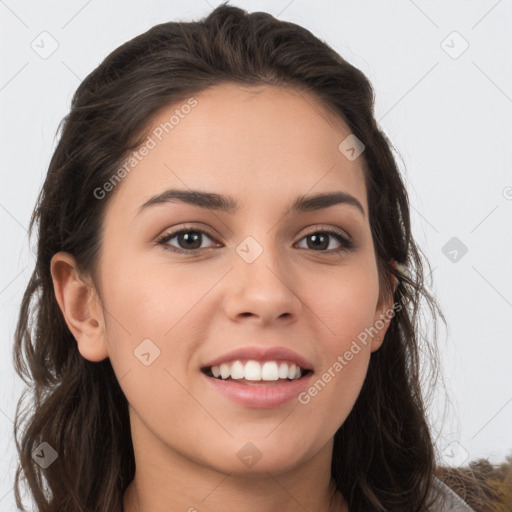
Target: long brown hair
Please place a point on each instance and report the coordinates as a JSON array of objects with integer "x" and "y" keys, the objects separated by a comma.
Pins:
[{"x": 383, "y": 456}]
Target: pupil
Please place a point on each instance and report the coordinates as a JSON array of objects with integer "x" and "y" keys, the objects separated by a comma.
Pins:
[
  {"x": 194, "y": 238},
  {"x": 317, "y": 238}
]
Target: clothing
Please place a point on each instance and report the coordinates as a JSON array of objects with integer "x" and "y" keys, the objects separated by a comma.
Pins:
[{"x": 447, "y": 500}]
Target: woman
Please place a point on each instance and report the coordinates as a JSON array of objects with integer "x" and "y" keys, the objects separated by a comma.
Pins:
[{"x": 275, "y": 367}]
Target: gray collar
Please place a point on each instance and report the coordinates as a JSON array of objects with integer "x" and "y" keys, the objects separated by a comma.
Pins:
[{"x": 447, "y": 500}]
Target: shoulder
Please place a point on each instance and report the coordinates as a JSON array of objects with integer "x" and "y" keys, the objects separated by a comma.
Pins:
[{"x": 446, "y": 500}]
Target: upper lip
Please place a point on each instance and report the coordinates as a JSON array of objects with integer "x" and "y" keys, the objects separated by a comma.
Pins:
[{"x": 262, "y": 354}]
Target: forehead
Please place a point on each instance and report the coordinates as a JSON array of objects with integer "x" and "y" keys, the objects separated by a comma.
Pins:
[{"x": 262, "y": 142}]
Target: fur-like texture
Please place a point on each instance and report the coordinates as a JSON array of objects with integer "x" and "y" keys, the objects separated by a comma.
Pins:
[{"x": 483, "y": 486}]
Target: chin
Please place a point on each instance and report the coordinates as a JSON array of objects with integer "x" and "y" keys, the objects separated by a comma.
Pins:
[{"x": 258, "y": 457}]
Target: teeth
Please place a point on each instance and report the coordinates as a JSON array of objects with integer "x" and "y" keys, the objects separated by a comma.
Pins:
[
  {"x": 256, "y": 371},
  {"x": 252, "y": 370},
  {"x": 283, "y": 371},
  {"x": 237, "y": 370},
  {"x": 269, "y": 371},
  {"x": 225, "y": 371}
]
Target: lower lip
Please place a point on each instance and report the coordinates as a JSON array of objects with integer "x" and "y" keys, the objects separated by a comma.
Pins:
[{"x": 261, "y": 396}]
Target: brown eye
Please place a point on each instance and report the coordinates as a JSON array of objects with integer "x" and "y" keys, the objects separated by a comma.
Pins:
[
  {"x": 319, "y": 241},
  {"x": 187, "y": 240},
  {"x": 190, "y": 241}
]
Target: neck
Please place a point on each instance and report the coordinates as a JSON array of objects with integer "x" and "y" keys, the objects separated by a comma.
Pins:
[{"x": 235, "y": 494}]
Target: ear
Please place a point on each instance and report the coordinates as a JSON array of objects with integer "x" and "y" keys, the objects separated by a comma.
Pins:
[
  {"x": 384, "y": 312},
  {"x": 80, "y": 307}
]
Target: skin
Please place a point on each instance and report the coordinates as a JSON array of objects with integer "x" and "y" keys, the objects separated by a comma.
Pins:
[{"x": 264, "y": 146}]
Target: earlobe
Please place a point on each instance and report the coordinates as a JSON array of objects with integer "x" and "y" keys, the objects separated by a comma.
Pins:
[{"x": 80, "y": 307}]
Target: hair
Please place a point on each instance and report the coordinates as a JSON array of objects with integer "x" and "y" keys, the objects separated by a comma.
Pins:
[{"x": 383, "y": 454}]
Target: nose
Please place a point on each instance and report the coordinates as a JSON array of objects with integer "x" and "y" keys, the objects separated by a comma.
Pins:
[{"x": 261, "y": 285}]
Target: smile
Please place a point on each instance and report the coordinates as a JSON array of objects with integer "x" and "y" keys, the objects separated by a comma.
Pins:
[
  {"x": 258, "y": 384},
  {"x": 256, "y": 371}
]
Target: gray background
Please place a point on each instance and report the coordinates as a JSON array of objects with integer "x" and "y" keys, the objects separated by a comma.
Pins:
[{"x": 448, "y": 113}]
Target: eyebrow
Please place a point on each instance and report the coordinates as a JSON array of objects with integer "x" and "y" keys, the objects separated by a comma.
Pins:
[{"x": 230, "y": 205}]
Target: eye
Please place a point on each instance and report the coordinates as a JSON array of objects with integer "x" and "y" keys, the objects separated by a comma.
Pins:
[
  {"x": 320, "y": 240},
  {"x": 189, "y": 238},
  {"x": 189, "y": 241}
]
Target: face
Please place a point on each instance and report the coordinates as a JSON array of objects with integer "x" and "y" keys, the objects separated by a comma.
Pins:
[{"x": 183, "y": 286}]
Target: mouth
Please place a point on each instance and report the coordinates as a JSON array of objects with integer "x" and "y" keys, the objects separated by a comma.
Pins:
[
  {"x": 258, "y": 384},
  {"x": 258, "y": 377},
  {"x": 257, "y": 373}
]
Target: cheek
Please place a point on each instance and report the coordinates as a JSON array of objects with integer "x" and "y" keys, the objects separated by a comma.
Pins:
[
  {"x": 151, "y": 312},
  {"x": 345, "y": 303},
  {"x": 346, "y": 308},
  {"x": 149, "y": 316},
  {"x": 152, "y": 300},
  {"x": 337, "y": 382}
]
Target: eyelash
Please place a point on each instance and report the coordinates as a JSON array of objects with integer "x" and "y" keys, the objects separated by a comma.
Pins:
[{"x": 346, "y": 244}]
